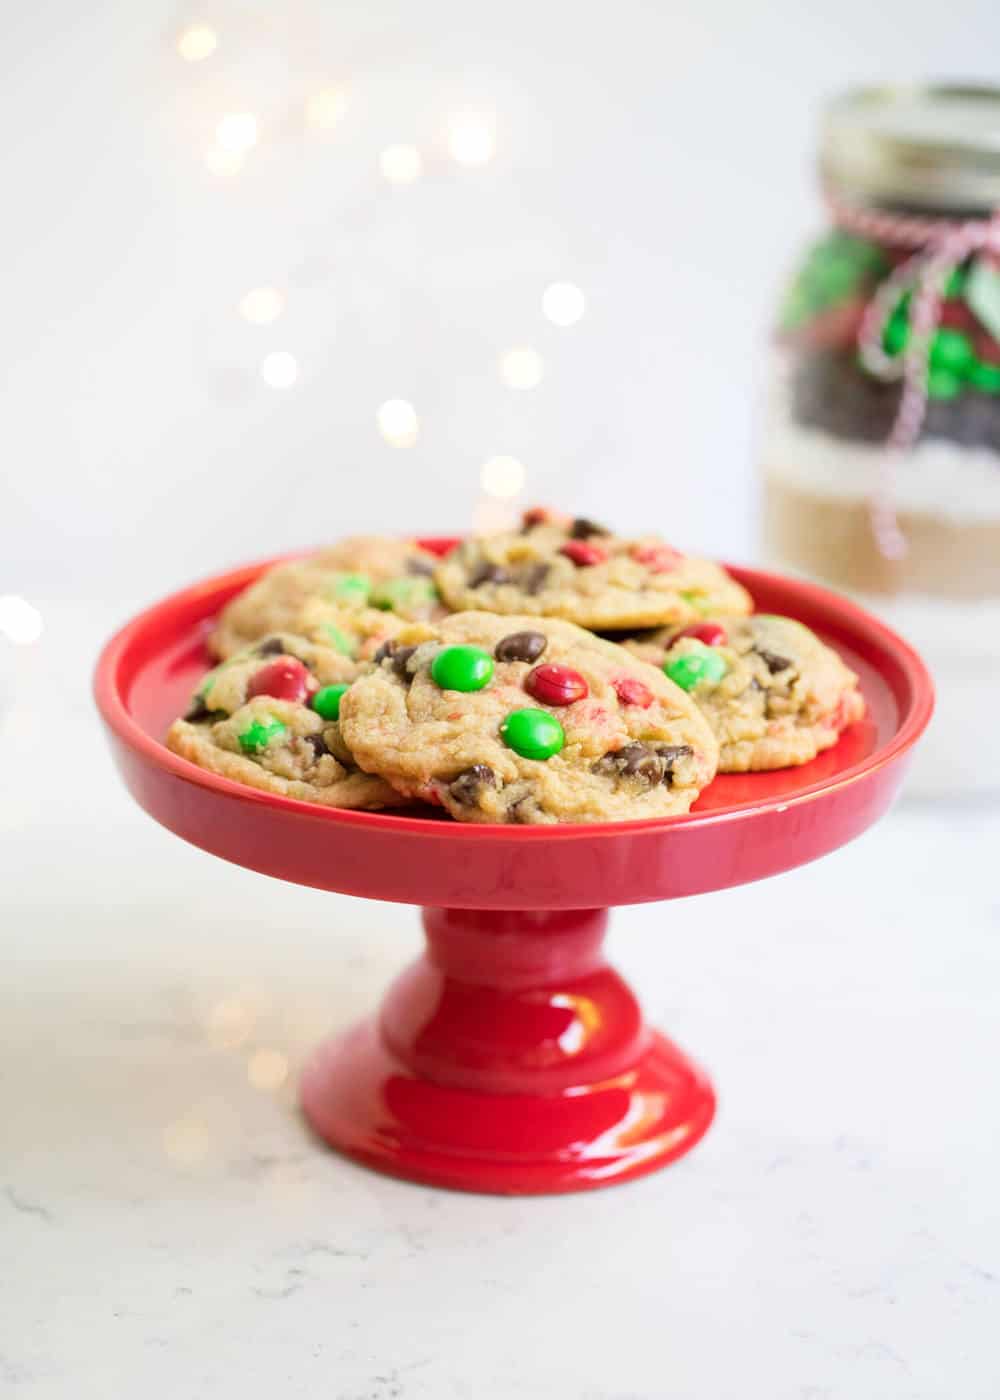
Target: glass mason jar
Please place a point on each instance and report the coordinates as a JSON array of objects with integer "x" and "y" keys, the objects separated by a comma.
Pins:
[{"x": 880, "y": 451}]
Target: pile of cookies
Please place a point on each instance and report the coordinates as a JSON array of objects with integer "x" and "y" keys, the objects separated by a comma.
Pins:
[{"x": 376, "y": 674}]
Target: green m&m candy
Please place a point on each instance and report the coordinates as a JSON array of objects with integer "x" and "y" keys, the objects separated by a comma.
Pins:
[
  {"x": 339, "y": 640},
  {"x": 462, "y": 668},
  {"x": 404, "y": 593},
  {"x": 697, "y": 600},
  {"x": 951, "y": 350},
  {"x": 943, "y": 384},
  {"x": 260, "y": 734},
  {"x": 349, "y": 588},
  {"x": 326, "y": 701},
  {"x": 533, "y": 733},
  {"x": 985, "y": 377},
  {"x": 696, "y": 667}
]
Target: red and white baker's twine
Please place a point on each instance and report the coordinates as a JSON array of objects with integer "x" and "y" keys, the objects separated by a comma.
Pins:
[{"x": 940, "y": 246}]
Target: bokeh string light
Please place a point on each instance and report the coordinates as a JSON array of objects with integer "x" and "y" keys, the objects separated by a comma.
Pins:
[
  {"x": 471, "y": 139},
  {"x": 401, "y": 164},
  {"x": 197, "y": 42},
  {"x": 236, "y": 132},
  {"x": 267, "y": 1070},
  {"x": 262, "y": 305},
  {"x": 563, "y": 303},
  {"x": 325, "y": 108},
  {"x": 398, "y": 422},
  {"x": 279, "y": 369},
  {"x": 522, "y": 368},
  {"x": 20, "y": 621},
  {"x": 502, "y": 477}
]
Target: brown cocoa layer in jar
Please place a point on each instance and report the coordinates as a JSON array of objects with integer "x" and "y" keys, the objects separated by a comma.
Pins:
[
  {"x": 830, "y": 391},
  {"x": 833, "y": 538}
]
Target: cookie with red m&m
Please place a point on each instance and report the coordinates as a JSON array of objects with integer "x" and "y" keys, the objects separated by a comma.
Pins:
[
  {"x": 267, "y": 718},
  {"x": 526, "y": 719},
  {"x": 774, "y": 694},
  {"x": 555, "y": 566}
]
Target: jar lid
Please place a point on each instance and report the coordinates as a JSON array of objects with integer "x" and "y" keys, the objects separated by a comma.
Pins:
[{"x": 930, "y": 147}]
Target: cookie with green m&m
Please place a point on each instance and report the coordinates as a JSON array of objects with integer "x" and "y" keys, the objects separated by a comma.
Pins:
[
  {"x": 268, "y": 719},
  {"x": 529, "y": 720},
  {"x": 774, "y": 694},
  {"x": 366, "y": 571}
]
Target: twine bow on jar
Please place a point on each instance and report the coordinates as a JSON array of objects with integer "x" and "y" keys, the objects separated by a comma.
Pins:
[{"x": 940, "y": 246}]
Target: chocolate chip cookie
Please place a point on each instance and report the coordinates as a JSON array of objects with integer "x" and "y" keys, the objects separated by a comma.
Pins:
[
  {"x": 575, "y": 569},
  {"x": 268, "y": 718},
  {"x": 773, "y": 693},
  {"x": 521, "y": 719},
  {"x": 393, "y": 575}
]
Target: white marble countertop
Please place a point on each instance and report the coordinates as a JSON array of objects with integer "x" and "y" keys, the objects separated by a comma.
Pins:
[{"x": 170, "y": 1230}]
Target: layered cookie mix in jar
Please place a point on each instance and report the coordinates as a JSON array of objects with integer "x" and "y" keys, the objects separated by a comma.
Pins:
[{"x": 880, "y": 449}]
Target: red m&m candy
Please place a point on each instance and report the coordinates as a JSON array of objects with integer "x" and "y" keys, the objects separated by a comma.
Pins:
[
  {"x": 556, "y": 685},
  {"x": 658, "y": 558},
  {"x": 284, "y": 678},
  {"x": 708, "y": 632},
  {"x": 583, "y": 552},
  {"x": 633, "y": 692}
]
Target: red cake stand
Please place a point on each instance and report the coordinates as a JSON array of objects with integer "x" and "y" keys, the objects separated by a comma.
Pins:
[{"x": 510, "y": 1057}]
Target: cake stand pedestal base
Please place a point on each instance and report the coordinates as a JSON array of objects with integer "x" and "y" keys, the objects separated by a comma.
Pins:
[{"x": 510, "y": 1058}]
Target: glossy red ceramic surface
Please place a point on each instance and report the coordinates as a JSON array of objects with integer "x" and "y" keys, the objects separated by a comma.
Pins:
[{"x": 511, "y": 1058}]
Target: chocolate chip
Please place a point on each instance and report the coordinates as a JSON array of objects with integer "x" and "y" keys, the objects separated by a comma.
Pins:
[
  {"x": 470, "y": 783},
  {"x": 271, "y": 646},
  {"x": 653, "y": 763},
  {"x": 488, "y": 573},
  {"x": 582, "y": 529},
  {"x": 197, "y": 710},
  {"x": 398, "y": 655},
  {"x": 318, "y": 745},
  {"x": 772, "y": 661},
  {"x": 533, "y": 578},
  {"x": 520, "y": 646},
  {"x": 671, "y": 755},
  {"x": 399, "y": 659},
  {"x": 420, "y": 567},
  {"x": 522, "y": 812}
]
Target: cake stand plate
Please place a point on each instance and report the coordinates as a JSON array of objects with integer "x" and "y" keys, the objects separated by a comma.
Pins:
[{"x": 510, "y": 1057}]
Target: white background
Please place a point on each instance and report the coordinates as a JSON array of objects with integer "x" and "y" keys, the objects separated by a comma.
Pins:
[{"x": 657, "y": 154}]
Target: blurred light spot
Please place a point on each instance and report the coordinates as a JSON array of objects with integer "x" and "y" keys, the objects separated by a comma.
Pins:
[
  {"x": 470, "y": 139},
  {"x": 492, "y": 517},
  {"x": 20, "y": 621},
  {"x": 502, "y": 476},
  {"x": 401, "y": 165},
  {"x": 325, "y": 108},
  {"x": 230, "y": 1023},
  {"x": 280, "y": 369},
  {"x": 187, "y": 1140},
  {"x": 237, "y": 131},
  {"x": 398, "y": 422},
  {"x": 222, "y": 162},
  {"x": 262, "y": 305},
  {"x": 563, "y": 303},
  {"x": 267, "y": 1070},
  {"x": 196, "y": 42},
  {"x": 522, "y": 368}
]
